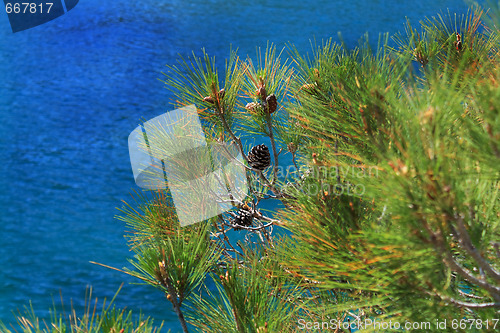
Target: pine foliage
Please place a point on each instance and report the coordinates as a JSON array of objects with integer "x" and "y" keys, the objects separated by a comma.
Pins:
[
  {"x": 391, "y": 210},
  {"x": 107, "y": 319}
]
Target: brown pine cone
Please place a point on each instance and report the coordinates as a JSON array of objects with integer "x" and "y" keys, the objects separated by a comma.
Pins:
[{"x": 272, "y": 103}]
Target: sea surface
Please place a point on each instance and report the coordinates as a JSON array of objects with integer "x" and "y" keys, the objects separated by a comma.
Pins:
[{"x": 72, "y": 90}]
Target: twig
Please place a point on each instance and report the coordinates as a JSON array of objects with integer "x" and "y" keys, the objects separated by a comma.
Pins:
[
  {"x": 231, "y": 133},
  {"x": 466, "y": 304},
  {"x": 294, "y": 161},
  {"x": 265, "y": 218},
  {"x": 273, "y": 146},
  {"x": 464, "y": 272},
  {"x": 237, "y": 140},
  {"x": 474, "y": 305},
  {"x": 264, "y": 196},
  {"x": 468, "y": 295},
  {"x": 269, "y": 184},
  {"x": 173, "y": 296},
  {"x": 439, "y": 244},
  {"x": 226, "y": 239},
  {"x": 465, "y": 241},
  {"x": 224, "y": 248},
  {"x": 250, "y": 228}
]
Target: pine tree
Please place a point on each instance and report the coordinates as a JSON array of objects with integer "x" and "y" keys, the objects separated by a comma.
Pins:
[
  {"x": 389, "y": 209},
  {"x": 392, "y": 209}
]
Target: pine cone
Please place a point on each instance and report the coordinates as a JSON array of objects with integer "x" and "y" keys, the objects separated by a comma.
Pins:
[
  {"x": 262, "y": 93},
  {"x": 292, "y": 147},
  {"x": 211, "y": 100},
  {"x": 252, "y": 107},
  {"x": 259, "y": 157},
  {"x": 309, "y": 87},
  {"x": 243, "y": 218},
  {"x": 272, "y": 103},
  {"x": 221, "y": 94}
]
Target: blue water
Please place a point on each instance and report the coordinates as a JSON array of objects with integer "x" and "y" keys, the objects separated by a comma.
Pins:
[{"x": 72, "y": 90}]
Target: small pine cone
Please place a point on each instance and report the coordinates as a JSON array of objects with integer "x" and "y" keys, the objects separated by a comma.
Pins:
[
  {"x": 309, "y": 87},
  {"x": 252, "y": 107},
  {"x": 221, "y": 94},
  {"x": 262, "y": 93},
  {"x": 292, "y": 147},
  {"x": 243, "y": 218},
  {"x": 259, "y": 157},
  {"x": 272, "y": 103},
  {"x": 209, "y": 99}
]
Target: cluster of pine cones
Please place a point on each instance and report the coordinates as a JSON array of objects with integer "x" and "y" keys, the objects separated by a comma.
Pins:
[
  {"x": 268, "y": 102},
  {"x": 259, "y": 158}
]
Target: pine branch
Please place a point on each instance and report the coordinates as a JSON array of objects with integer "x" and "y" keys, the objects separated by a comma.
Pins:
[
  {"x": 351, "y": 108},
  {"x": 225, "y": 238},
  {"x": 468, "y": 295},
  {"x": 465, "y": 241},
  {"x": 448, "y": 259},
  {"x": 467, "y": 304},
  {"x": 237, "y": 140},
  {"x": 172, "y": 296}
]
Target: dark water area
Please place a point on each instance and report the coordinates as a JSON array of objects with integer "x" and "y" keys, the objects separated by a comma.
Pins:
[{"x": 73, "y": 89}]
